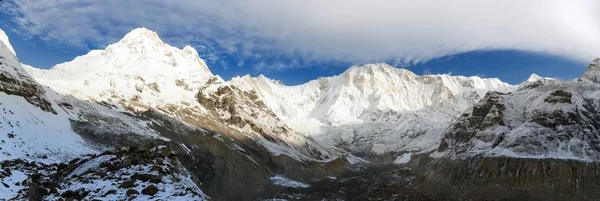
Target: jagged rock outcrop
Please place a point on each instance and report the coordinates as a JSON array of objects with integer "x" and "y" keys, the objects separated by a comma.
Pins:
[
  {"x": 593, "y": 71},
  {"x": 112, "y": 175},
  {"x": 551, "y": 119},
  {"x": 489, "y": 112},
  {"x": 218, "y": 159},
  {"x": 507, "y": 178},
  {"x": 14, "y": 80},
  {"x": 246, "y": 111},
  {"x": 30, "y": 120}
]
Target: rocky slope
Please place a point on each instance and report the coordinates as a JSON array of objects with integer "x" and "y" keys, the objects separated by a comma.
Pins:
[
  {"x": 139, "y": 174},
  {"x": 539, "y": 142},
  {"x": 509, "y": 178},
  {"x": 27, "y": 109},
  {"x": 542, "y": 119}
]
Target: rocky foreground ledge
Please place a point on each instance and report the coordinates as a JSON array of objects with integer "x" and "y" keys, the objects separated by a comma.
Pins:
[
  {"x": 483, "y": 178},
  {"x": 140, "y": 173}
]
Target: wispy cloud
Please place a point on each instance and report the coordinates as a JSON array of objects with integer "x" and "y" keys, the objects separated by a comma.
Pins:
[{"x": 315, "y": 30}]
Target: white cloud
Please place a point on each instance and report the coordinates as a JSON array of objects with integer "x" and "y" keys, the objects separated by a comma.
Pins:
[{"x": 334, "y": 30}]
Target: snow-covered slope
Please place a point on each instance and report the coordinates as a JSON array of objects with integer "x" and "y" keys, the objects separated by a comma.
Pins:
[
  {"x": 246, "y": 112},
  {"x": 139, "y": 68},
  {"x": 372, "y": 108},
  {"x": 123, "y": 174},
  {"x": 4, "y": 39},
  {"x": 32, "y": 125},
  {"x": 543, "y": 119}
]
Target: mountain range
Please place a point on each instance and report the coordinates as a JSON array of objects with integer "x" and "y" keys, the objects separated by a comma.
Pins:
[{"x": 156, "y": 118}]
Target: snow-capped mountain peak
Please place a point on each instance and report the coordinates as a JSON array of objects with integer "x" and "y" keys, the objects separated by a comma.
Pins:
[
  {"x": 145, "y": 43},
  {"x": 378, "y": 68},
  {"x": 534, "y": 80},
  {"x": 534, "y": 77},
  {"x": 139, "y": 68},
  {"x": 140, "y": 34},
  {"x": 138, "y": 41},
  {"x": 4, "y": 39},
  {"x": 593, "y": 71}
]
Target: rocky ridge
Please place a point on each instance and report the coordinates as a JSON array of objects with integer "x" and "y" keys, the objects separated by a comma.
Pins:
[{"x": 543, "y": 119}]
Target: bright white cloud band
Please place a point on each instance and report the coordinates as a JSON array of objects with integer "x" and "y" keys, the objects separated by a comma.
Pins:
[{"x": 336, "y": 30}]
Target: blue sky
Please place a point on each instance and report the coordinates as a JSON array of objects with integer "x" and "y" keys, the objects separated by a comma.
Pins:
[{"x": 297, "y": 42}]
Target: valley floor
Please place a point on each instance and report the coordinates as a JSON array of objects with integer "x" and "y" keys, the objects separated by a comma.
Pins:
[
  {"x": 425, "y": 178},
  {"x": 367, "y": 183}
]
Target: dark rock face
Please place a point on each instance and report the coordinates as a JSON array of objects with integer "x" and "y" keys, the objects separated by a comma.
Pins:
[
  {"x": 79, "y": 194},
  {"x": 367, "y": 183},
  {"x": 505, "y": 178},
  {"x": 546, "y": 120},
  {"x": 237, "y": 108},
  {"x": 215, "y": 163},
  {"x": 558, "y": 119},
  {"x": 559, "y": 96},
  {"x": 127, "y": 184},
  {"x": 150, "y": 190},
  {"x": 131, "y": 192},
  {"x": 110, "y": 192},
  {"x": 234, "y": 168},
  {"x": 530, "y": 85},
  {"x": 23, "y": 85},
  {"x": 478, "y": 178},
  {"x": 593, "y": 71},
  {"x": 147, "y": 177},
  {"x": 234, "y": 101},
  {"x": 487, "y": 113},
  {"x": 553, "y": 119}
]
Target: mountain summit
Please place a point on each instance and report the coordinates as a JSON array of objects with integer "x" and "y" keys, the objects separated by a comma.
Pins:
[
  {"x": 406, "y": 111},
  {"x": 141, "y": 35},
  {"x": 4, "y": 39},
  {"x": 593, "y": 71},
  {"x": 140, "y": 68}
]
